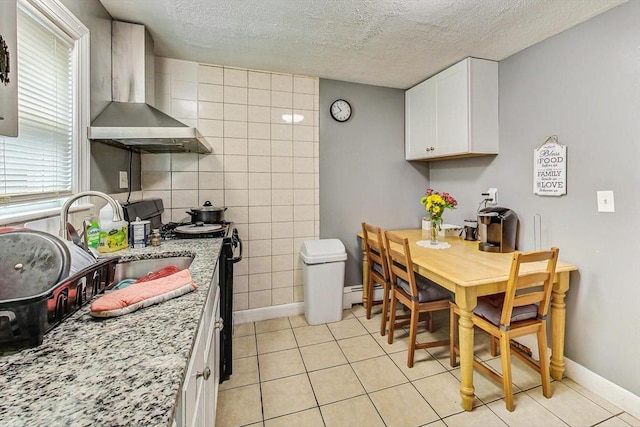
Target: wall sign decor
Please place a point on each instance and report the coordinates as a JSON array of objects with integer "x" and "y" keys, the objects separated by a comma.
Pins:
[
  {"x": 550, "y": 168},
  {"x": 8, "y": 69},
  {"x": 5, "y": 62}
]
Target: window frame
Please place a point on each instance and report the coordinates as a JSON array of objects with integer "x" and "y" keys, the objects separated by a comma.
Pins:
[{"x": 39, "y": 207}]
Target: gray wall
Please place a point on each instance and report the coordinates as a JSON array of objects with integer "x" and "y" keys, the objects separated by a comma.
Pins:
[
  {"x": 106, "y": 164},
  {"x": 363, "y": 174},
  {"x": 106, "y": 161},
  {"x": 582, "y": 85}
]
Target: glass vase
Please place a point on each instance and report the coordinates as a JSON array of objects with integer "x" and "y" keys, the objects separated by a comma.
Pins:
[{"x": 435, "y": 229}]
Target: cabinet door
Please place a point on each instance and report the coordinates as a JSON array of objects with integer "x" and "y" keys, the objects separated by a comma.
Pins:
[
  {"x": 192, "y": 390},
  {"x": 452, "y": 95},
  {"x": 197, "y": 403},
  {"x": 420, "y": 120}
]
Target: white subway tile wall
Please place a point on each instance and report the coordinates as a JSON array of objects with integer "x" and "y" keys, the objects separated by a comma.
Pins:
[{"x": 264, "y": 131}]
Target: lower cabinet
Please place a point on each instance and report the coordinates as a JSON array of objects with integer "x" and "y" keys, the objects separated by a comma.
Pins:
[{"x": 199, "y": 395}]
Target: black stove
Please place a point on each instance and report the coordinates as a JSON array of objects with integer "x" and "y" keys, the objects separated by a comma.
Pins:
[{"x": 198, "y": 230}]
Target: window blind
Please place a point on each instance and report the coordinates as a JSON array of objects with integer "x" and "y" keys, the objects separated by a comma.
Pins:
[{"x": 39, "y": 162}]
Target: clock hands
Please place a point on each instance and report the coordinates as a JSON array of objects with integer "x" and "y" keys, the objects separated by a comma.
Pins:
[{"x": 340, "y": 110}]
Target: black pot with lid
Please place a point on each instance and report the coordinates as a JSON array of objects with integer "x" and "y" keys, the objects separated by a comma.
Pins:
[
  {"x": 31, "y": 263},
  {"x": 207, "y": 214}
]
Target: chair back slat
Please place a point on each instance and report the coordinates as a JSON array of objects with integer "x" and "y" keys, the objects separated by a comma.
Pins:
[
  {"x": 375, "y": 250},
  {"x": 529, "y": 298},
  {"x": 535, "y": 256},
  {"x": 538, "y": 285},
  {"x": 399, "y": 260},
  {"x": 525, "y": 280}
]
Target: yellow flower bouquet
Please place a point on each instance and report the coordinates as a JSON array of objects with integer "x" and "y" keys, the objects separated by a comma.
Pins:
[{"x": 435, "y": 203}]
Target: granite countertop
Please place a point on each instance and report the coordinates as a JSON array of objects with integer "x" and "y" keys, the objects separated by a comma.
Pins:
[{"x": 126, "y": 370}]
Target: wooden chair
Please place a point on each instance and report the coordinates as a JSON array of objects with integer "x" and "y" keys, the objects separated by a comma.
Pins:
[
  {"x": 514, "y": 314},
  {"x": 418, "y": 295},
  {"x": 378, "y": 271}
]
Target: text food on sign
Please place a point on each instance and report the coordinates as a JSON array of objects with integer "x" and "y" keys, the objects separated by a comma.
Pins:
[{"x": 550, "y": 168}]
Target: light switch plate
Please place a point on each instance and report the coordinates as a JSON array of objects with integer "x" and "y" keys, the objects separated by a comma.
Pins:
[
  {"x": 124, "y": 179},
  {"x": 605, "y": 201}
]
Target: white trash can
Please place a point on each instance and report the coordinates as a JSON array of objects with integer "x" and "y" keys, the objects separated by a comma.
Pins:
[{"x": 323, "y": 280}]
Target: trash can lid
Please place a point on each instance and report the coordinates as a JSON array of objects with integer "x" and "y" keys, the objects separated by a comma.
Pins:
[{"x": 323, "y": 251}]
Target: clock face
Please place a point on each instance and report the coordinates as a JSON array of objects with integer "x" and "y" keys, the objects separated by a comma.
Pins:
[{"x": 340, "y": 110}]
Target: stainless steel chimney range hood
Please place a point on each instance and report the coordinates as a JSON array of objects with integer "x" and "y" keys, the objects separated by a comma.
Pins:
[{"x": 129, "y": 121}]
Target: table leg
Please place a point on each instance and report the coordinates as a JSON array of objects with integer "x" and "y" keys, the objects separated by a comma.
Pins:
[
  {"x": 466, "y": 299},
  {"x": 558, "y": 318},
  {"x": 365, "y": 276}
]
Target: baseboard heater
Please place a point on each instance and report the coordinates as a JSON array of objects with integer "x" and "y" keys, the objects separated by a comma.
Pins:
[{"x": 353, "y": 295}]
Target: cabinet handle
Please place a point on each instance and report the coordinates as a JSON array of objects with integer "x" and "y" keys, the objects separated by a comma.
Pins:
[
  {"x": 219, "y": 325},
  {"x": 430, "y": 149},
  {"x": 205, "y": 374}
]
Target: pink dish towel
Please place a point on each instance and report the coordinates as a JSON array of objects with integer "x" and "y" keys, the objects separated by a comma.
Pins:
[{"x": 143, "y": 294}]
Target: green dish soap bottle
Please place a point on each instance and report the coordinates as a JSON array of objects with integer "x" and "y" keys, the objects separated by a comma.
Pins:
[
  {"x": 113, "y": 235},
  {"x": 92, "y": 232}
]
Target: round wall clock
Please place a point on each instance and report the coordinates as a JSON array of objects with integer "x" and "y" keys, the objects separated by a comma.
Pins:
[{"x": 340, "y": 110}]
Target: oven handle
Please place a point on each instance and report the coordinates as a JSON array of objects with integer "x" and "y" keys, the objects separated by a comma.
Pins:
[{"x": 236, "y": 241}]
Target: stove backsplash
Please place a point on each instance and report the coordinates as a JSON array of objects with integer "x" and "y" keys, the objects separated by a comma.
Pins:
[{"x": 263, "y": 128}]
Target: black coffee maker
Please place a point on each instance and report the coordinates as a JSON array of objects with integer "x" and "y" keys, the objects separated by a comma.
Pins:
[{"x": 497, "y": 229}]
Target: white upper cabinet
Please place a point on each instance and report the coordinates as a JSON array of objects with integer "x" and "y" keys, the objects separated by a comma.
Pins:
[
  {"x": 420, "y": 119},
  {"x": 454, "y": 113}
]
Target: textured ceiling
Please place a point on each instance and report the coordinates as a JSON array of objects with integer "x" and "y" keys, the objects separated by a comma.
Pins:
[{"x": 394, "y": 43}]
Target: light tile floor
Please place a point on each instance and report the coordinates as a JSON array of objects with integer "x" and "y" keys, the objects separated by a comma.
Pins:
[{"x": 287, "y": 373}]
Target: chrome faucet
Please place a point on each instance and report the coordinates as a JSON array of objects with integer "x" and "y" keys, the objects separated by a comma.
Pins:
[{"x": 64, "y": 211}]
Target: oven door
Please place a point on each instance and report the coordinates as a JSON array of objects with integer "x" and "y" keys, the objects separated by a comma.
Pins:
[{"x": 230, "y": 253}]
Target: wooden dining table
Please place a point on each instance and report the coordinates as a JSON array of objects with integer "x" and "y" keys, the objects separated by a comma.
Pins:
[{"x": 470, "y": 273}]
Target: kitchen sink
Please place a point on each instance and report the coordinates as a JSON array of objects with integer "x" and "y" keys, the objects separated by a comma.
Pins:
[{"x": 139, "y": 268}]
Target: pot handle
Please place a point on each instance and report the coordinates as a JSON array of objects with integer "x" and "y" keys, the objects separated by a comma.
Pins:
[{"x": 191, "y": 213}]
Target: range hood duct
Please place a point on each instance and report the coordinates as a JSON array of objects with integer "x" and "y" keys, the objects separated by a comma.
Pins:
[{"x": 129, "y": 121}]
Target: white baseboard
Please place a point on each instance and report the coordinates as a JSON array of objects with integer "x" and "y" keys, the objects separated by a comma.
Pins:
[
  {"x": 266, "y": 313},
  {"x": 604, "y": 388},
  {"x": 352, "y": 296}
]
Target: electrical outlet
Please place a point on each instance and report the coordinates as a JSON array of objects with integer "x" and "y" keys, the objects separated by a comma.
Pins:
[
  {"x": 124, "y": 179},
  {"x": 493, "y": 195},
  {"x": 605, "y": 201}
]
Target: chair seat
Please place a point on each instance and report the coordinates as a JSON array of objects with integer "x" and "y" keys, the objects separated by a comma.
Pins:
[
  {"x": 490, "y": 308},
  {"x": 427, "y": 290},
  {"x": 378, "y": 268}
]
